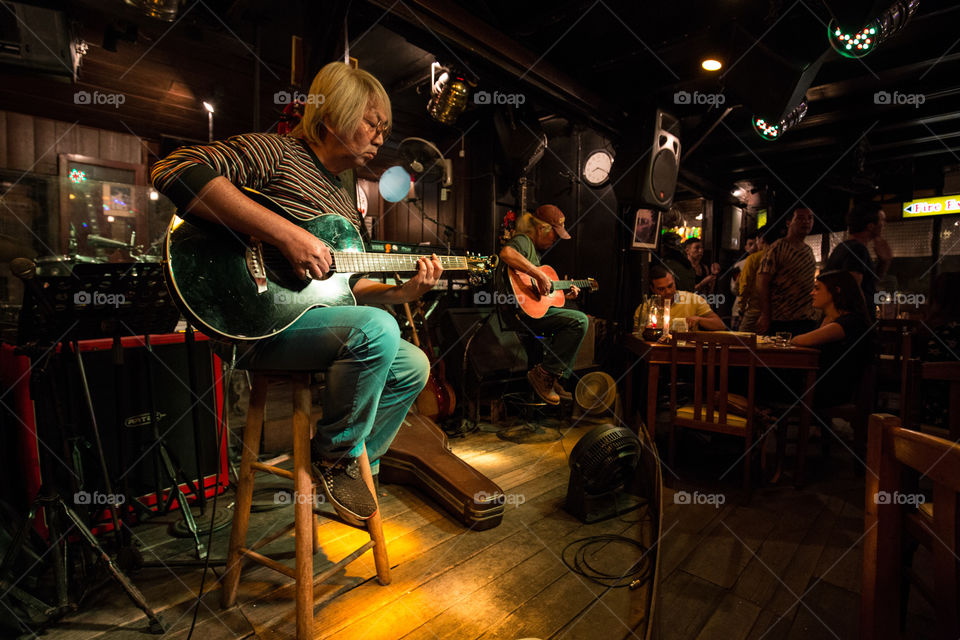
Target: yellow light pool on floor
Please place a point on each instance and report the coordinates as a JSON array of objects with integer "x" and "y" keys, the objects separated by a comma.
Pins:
[{"x": 711, "y": 65}]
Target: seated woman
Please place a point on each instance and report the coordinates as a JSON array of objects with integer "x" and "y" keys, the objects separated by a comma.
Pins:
[
  {"x": 842, "y": 338},
  {"x": 844, "y": 343}
]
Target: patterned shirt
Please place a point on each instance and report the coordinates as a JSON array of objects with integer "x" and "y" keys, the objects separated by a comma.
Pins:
[
  {"x": 792, "y": 268},
  {"x": 285, "y": 169}
]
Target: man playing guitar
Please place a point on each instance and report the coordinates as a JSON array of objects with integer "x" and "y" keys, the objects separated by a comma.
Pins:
[
  {"x": 563, "y": 329},
  {"x": 372, "y": 376}
]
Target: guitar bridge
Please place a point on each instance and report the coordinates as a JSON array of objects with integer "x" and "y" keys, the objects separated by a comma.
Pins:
[{"x": 256, "y": 267}]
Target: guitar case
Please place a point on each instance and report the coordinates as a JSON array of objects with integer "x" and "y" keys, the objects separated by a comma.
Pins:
[{"x": 420, "y": 456}]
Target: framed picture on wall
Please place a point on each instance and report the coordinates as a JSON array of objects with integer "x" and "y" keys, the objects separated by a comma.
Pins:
[{"x": 646, "y": 229}]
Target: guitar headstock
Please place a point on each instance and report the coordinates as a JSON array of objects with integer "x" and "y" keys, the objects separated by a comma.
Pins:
[
  {"x": 480, "y": 268},
  {"x": 593, "y": 284}
]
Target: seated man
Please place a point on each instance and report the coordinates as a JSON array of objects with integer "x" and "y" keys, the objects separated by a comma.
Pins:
[
  {"x": 687, "y": 305},
  {"x": 563, "y": 329},
  {"x": 372, "y": 375}
]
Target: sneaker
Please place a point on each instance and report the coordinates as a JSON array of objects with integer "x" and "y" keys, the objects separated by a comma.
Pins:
[
  {"x": 543, "y": 382},
  {"x": 562, "y": 393},
  {"x": 346, "y": 490}
]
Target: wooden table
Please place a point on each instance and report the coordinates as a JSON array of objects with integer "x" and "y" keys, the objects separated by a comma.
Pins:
[{"x": 655, "y": 354}]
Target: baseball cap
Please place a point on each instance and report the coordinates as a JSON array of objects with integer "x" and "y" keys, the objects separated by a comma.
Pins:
[{"x": 554, "y": 217}]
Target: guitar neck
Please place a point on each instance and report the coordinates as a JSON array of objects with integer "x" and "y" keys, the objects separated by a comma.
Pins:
[
  {"x": 363, "y": 262},
  {"x": 563, "y": 285}
]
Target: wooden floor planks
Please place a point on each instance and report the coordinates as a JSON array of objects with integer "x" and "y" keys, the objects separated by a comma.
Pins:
[{"x": 783, "y": 564}]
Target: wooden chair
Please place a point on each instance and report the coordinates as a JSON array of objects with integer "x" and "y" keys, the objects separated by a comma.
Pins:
[
  {"x": 305, "y": 516},
  {"x": 921, "y": 372},
  {"x": 889, "y": 522},
  {"x": 857, "y": 413},
  {"x": 710, "y": 411}
]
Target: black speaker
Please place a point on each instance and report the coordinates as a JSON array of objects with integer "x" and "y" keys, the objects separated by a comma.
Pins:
[
  {"x": 490, "y": 352},
  {"x": 645, "y": 170},
  {"x": 122, "y": 409}
]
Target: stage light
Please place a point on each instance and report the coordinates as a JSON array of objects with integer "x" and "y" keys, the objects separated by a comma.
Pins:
[
  {"x": 775, "y": 130},
  {"x": 711, "y": 65},
  {"x": 450, "y": 92},
  {"x": 868, "y": 38},
  {"x": 209, "y": 108}
]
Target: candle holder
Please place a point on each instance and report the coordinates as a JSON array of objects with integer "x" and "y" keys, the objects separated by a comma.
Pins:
[{"x": 655, "y": 318}]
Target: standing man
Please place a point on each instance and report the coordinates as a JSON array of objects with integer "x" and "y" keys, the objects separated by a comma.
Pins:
[
  {"x": 865, "y": 223},
  {"x": 372, "y": 375},
  {"x": 736, "y": 312},
  {"x": 747, "y": 282},
  {"x": 563, "y": 329},
  {"x": 786, "y": 278}
]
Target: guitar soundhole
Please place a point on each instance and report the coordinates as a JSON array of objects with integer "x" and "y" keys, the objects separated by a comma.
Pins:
[{"x": 280, "y": 270}]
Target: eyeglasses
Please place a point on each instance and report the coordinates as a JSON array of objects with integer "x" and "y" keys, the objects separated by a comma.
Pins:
[{"x": 379, "y": 128}]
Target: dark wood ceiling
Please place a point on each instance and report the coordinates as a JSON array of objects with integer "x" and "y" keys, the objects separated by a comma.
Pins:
[
  {"x": 611, "y": 63},
  {"x": 605, "y": 65}
]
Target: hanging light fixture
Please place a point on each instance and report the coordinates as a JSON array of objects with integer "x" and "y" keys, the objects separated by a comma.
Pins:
[
  {"x": 450, "y": 91},
  {"x": 860, "y": 43},
  {"x": 775, "y": 130}
]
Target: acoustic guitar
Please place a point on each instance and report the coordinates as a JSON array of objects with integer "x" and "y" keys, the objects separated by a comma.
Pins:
[
  {"x": 240, "y": 289},
  {"x": 437, "y": 400},
  {"x": 527, "y": 293}
]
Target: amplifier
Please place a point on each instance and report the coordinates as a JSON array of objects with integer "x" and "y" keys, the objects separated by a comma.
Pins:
[
  {"x": 381, "y": 246},
  {"x": 122, "y": 408}
]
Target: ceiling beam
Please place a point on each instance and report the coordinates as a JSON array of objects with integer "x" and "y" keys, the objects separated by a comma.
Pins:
[{"x": 461, "y": 28}]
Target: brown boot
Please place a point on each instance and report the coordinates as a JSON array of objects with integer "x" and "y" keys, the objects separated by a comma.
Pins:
[
  {"x": 542, "y": 382},
  {"x": 562, "y": 393}
]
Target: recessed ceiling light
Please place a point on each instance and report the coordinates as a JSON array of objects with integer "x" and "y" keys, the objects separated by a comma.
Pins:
[{"x": 711, "y": 65}]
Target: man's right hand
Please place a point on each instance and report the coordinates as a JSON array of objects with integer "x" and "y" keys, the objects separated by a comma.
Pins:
[
  {"x": 882, "y": 249},
  {"x": 309, "y": 256},
  {"x": 544, "y": 284}
]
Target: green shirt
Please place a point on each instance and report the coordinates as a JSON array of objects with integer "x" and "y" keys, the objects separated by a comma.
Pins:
[{"x": 523, "y": 245}]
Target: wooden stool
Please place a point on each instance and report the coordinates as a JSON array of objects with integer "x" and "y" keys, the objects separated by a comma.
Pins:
[{"x": 305, "y": 517}]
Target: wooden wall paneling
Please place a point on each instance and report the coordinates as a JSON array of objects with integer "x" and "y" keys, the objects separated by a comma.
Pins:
[
  {"x": 111, "y": 146},
  {"x": 88, "y": 142},
  {"x": 20, "y": 132},
  {"x": 68, "y": 137},
  {"x": 44, "y": 146}
]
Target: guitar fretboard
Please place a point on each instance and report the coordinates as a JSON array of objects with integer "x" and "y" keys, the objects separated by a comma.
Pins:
[
  {"x": 563, "y": 285},
  {"x": 363, "y": 262}
]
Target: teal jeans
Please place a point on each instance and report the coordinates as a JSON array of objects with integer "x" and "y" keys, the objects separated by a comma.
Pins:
[{"x": 372, "y": 375}]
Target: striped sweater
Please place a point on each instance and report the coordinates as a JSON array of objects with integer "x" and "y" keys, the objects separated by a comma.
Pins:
[{"x": 284, "y": 168}]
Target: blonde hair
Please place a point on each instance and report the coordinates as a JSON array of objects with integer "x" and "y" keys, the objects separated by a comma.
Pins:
[
  {"x": 528, "y": 224},
  {"x": 339, "y": 94}
]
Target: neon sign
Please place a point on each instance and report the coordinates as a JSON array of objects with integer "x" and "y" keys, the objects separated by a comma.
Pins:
[{"x": 940, "y": 206}]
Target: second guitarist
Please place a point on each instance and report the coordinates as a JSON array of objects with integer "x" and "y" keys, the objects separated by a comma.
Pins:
[{"x": 562, "y": 329}]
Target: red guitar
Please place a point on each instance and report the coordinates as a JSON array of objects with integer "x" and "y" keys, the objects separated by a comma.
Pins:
[
  {"x": 437, "y": 400},
  {"x": 528, "y": 296}
]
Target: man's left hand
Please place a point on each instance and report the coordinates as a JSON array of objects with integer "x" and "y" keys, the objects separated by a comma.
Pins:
[
  {"x": 428, "y": 272},
  {"x": 573, "y": 292}
]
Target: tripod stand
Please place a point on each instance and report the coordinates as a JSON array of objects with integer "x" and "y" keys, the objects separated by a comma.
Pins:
[
  {"x": 50, "y": 328},
  {"x": 56, "y": 513}
]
